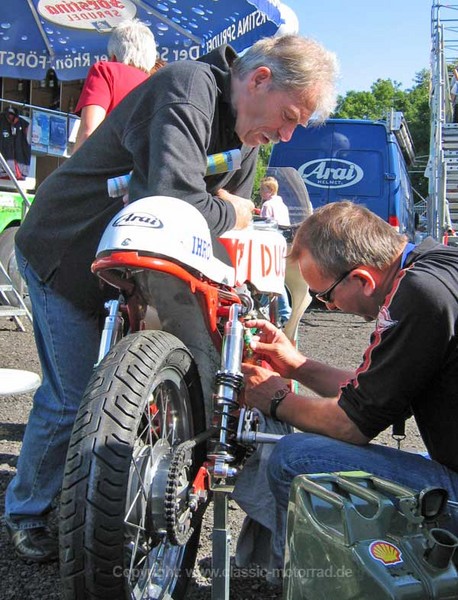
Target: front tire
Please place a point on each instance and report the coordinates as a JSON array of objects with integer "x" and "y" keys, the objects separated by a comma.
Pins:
[{"x": 143, "y": 400}]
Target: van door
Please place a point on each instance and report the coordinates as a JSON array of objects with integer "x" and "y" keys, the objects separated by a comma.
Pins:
[{"x": 341, "y": 160}]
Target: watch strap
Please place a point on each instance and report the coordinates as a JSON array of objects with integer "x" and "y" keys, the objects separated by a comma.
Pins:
[{"x": 277, "y": 398}]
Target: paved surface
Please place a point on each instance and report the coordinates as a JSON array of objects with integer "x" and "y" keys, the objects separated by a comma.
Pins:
[{"x": 333, "y": 337}]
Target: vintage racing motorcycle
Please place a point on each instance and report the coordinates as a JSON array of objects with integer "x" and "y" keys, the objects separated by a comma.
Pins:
[{"x": 160, "y": 430}]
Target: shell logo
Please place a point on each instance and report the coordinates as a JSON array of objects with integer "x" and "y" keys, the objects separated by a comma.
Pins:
[{"x": 386, "y": 553}]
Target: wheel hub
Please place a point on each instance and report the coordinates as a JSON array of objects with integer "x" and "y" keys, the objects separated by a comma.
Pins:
[
  {"x": 147, "y": 466},
  {"x": 158, "y": 493}
]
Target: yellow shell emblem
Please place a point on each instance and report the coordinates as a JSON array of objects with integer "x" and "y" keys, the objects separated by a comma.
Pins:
[{"x": 386, "y": 553}]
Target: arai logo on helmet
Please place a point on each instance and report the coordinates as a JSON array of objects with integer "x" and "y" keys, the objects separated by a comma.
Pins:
[
  {"x": 138, "y": 219},
  {"x": 330, "y": 173}
]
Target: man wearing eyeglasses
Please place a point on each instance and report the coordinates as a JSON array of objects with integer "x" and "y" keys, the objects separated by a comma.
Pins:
[{"x": 355, "y": 262}]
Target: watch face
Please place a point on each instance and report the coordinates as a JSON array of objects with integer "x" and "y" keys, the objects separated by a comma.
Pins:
[
  {"x": 277, "y": 398},
  {"x": 280, "y": 394}
]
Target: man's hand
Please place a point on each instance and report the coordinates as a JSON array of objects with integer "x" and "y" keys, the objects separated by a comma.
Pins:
[
  {"x": 260, "y": 386},
  {"x": 243, "y": 208},
  {"x": 272, "y": 344}
]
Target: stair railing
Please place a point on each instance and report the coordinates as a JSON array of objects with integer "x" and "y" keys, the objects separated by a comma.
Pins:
[{"x": 436, "y": 165}]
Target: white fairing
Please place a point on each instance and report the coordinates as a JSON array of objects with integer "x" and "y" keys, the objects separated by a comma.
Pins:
[
  {"x": 259, "y": 258},
  {"x": 174, "y": 229},
  {"x": 166, "y": 227}
]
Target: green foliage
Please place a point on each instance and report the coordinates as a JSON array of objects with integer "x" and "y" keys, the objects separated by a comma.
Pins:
[
  {"x": 418, "y": 115},
  {"x": 384, "y": 94},
  {"x": 261, "y": 166}
]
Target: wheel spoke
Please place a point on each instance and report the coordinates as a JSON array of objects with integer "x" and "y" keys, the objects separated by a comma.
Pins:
[{"x": 161, "y": 422}]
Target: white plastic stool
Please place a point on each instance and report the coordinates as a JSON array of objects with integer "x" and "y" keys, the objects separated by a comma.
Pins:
[{"x": 16, "y": 381}]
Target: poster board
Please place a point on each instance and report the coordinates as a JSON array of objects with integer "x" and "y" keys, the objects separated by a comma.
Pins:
[{"x": 49, "y": 133}]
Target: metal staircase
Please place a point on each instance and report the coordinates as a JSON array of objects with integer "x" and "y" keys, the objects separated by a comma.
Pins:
[
  {"x": 442, "y": 169},
  {"x": 450, "y": 146}
]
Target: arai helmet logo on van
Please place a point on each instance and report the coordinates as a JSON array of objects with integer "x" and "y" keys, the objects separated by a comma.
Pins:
[{"x": 330, "y": 173}]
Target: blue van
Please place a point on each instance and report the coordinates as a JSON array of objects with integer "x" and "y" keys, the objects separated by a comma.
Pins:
[{"x": 359, "y": 160}]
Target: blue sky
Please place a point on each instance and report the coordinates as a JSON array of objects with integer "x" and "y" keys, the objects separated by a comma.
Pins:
[{"x": 387, "y": 39}]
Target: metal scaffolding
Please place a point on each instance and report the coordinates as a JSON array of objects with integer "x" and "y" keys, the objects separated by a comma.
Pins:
[{"x": 442, "y": 168}]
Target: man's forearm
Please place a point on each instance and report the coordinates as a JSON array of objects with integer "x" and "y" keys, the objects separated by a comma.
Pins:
[
  {"x": 91, "y": 117},
  {"x": 319, "y": 415},
  {"x": 321, "y": 378}
]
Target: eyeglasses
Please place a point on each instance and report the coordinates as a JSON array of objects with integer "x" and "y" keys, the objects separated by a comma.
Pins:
[{"x": 325, "y": 296}]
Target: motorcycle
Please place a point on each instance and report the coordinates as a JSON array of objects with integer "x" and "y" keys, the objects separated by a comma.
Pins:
[{"x": 160, "y": 430}]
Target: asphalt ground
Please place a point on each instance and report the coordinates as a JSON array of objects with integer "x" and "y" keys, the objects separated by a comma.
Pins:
[{"x": 336, "y": 338}]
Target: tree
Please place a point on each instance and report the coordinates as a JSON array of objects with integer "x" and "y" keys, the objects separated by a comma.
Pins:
[
  {"x": 418, "y": 115},
  {"x": 385, "y": 95}
]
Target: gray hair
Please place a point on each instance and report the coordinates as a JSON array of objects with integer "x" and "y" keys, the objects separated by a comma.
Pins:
[
  {"x": 343, "y": 235},
  {"x": 296, "y": 64},
  {"x": 132, "y": 43}
]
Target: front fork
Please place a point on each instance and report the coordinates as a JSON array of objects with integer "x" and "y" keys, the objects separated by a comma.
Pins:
[{"x": 112, "y": 329}]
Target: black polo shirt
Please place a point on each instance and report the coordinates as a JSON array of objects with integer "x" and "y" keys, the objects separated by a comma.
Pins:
[{"x": 411, "y": 364}]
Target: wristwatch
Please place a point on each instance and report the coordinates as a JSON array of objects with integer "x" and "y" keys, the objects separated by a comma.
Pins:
[{"x": 278, "y": 397}]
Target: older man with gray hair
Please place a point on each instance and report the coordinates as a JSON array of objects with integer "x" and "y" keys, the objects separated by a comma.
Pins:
[{"x": 162, "y": 132}]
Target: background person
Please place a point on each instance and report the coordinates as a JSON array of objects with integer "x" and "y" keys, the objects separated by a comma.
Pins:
[
  {"x": 454, "y": 98},
  {"x": 454, "y": 94},
  {"x": 162, "y": 132},
  {"x": 15, "y": 143},
  {"x": 132, "y": 56},
  {"x": 274, "y": 208},
  {"x": 359, "y": 264}
]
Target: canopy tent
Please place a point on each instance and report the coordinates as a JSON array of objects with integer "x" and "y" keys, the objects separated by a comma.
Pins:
[{"x": 70, "y": 35}]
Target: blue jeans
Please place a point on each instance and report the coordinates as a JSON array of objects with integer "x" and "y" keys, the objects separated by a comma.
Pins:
[
  {"x": 284, "y": 308},
  {"x": 67, "y": 341},
  {"x": 302, "y": 453}
]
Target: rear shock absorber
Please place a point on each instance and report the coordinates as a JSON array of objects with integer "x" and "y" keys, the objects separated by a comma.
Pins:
[{"x": 228, "y": 383}]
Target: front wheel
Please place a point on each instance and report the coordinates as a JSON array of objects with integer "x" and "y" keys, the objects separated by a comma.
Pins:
[{"x": 118, "y": 533}]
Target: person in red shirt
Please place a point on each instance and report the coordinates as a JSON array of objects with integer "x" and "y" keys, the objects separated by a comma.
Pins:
[{"x": 132, "y": 52}]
